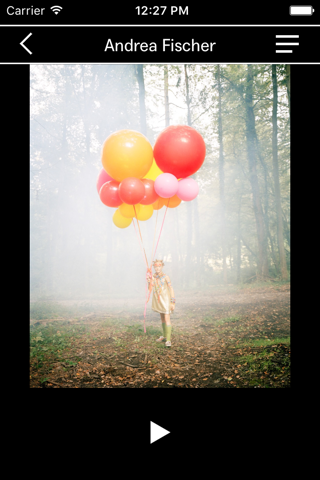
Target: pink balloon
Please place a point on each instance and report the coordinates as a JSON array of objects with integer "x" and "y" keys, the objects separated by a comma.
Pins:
[
  {"x": 188, "y": 189},
  {"x": 166, "y": 185},
  {"x": 103, "y": 177}
]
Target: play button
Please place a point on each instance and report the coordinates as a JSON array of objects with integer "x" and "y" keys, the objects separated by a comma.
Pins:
[{"x": 157, "y": 432}]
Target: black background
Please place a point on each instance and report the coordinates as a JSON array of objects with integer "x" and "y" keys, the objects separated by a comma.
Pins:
[
  {"x": 199, "y": 13},
  {"x": 201, "y": 421},
  {"x": 204, "y": 423},
  {"x": 87, "y": 44}
]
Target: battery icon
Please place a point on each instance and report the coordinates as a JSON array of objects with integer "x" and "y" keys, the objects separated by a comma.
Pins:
[{"x": 301, "y": 10}]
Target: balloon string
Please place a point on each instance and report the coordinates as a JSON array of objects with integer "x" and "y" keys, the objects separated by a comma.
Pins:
[
  {"x": 152, "y": 255},
  {"x": 147, "y": 298},
  {"x": 140, "y": 235},
  {"x": 154, "y": 236},
  {"x": 137, "y": 237},
  {"x": 145, "y": 255},
  {"x": 145, "y": 308},
  {"x": 161, "y": 227},
  {"x": 150, "y": 268}
]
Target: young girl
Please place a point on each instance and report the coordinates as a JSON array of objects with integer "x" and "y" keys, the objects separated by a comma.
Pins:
[{"x": 163, "y": 300}]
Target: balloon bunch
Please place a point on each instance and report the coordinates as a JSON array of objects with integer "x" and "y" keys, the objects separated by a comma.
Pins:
[{"x": 138, "y": 179}]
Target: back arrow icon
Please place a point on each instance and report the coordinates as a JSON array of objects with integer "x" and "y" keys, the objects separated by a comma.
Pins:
[{"x": 22, "y": 43}]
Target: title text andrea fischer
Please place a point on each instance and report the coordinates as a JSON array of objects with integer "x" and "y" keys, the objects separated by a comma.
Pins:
[{"x": 168, "y": 44}]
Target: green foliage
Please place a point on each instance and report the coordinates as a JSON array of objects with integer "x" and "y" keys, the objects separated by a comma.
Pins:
[
  {"x": 222, "y": 321},
  {"x": 43, "y": 309},
  {"x": 266, "y": 364},
  {"x": 138, "y": 330},
  {"x": 260, "y": 342},
  {"x": 53, "y": 338}
]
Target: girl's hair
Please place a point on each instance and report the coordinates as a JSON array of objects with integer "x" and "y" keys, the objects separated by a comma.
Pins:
[{"x": 158, "y": 261}]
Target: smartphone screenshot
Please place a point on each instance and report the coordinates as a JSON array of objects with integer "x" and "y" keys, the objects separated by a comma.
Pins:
[{"x": 155, "y": 145}]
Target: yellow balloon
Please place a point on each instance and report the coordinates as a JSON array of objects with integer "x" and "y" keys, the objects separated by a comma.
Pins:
[
  {"x": 174, "y": 201},
  {"x": 154, "y": 171},
  {"x": 128, "y": 210},
  {"x": 145, "y": 212},
  {"x": 120, "y": 221},
  {"x": 126, "y": 153}
]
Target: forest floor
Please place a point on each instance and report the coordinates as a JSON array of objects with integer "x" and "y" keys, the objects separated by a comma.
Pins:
[{"x": 227, "y": 338}]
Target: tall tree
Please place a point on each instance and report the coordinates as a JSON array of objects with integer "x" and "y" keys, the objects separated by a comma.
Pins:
[
  {"x": 266, "y": 202},
  {"x": 251, "y": 152},
  {"x": 189, "y": 206},
  {"x": 238, "y": 277},
  {"x": 288, "y": 78},
  {"x": 221, "y": 179},
  {"x": 188, "y": 98},
  {"x": 282, "y": 256},
  {"x": 142, "y": 104},
  {"x": 166, "y": 96}
]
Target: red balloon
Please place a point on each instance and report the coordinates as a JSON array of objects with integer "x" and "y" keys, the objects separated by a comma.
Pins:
[
  {"x": 109, "y": 194},
  {"x": 180, "y": 150},
  {"x": 150, "y": 193},
  {"x": 103, "y": 177},
  {"x": 131, "y": 190}
]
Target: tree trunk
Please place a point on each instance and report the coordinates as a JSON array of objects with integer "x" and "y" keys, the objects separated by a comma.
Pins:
[
  {"x": 142, "y": 105},
  {"x": 189, "y": 273},
  {"x": 239, "y": 243},
  {"x": 251, "y": 135},
  {"x": 221, "y": 180},
  {"x": 166, "y": 97},
  {"x": 175, "y": 252},
  {"x": 266, "y": 205},
  {"x": 197, "y": 240},
  {"x": 187, "y": 96},
  {"x": 283, "y": 264},
  {"x": 286, "y": 228},
  {"x": 189, "y": 270},
  {"x": 288, "y": 79},
  {"x": 176, "y": 212}
]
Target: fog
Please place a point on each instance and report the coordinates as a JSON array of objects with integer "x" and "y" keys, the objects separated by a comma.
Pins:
[{"x": 76, "y": 251}]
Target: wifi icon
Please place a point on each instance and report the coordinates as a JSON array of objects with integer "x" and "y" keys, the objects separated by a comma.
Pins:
[{"x": 56, "y": 9}]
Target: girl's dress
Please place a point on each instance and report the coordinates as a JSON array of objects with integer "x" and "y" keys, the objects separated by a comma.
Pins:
[{"x": 161, "y": 298}]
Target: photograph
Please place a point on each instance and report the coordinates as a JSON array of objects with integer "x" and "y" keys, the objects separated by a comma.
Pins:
[{"x": 160, "y": 225}]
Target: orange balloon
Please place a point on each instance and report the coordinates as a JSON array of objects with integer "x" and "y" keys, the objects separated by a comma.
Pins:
[
  {"x": 126, "y": 153},
  {"x": 158, "y": 203},
  {"x": 174, "y": 201}
]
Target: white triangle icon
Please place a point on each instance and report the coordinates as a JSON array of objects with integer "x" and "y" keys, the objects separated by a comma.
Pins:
[{"x": 157, "y": 432}]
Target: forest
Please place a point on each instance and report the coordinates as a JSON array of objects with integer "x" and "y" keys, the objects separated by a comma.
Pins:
[{"x": 227, "y": 252}]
